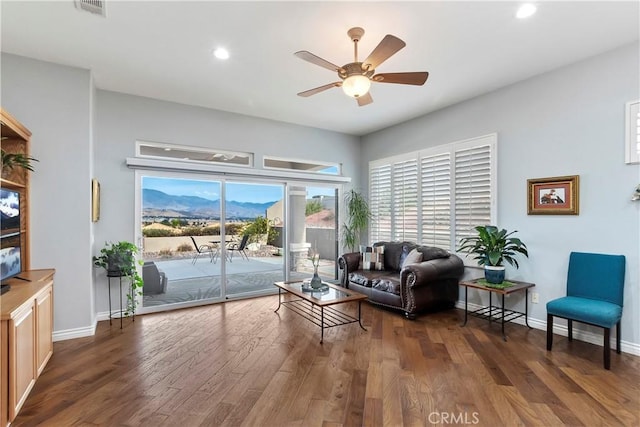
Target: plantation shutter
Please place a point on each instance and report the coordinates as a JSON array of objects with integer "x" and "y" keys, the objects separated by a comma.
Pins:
[
  {"x": 405, "y": 200},
  {"x": 472, "y": 190},
  {"x": 436, "y": 196},
  {"x": 380, "y": 203},
  {"x": 436, "y": 200}
]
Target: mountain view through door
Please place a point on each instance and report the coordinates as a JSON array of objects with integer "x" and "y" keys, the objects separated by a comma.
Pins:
[{"x": 190, "y": 254}]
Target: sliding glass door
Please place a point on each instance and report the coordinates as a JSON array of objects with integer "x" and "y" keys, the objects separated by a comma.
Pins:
[
  {"x": 208, "y": 239},
  {"x": 181, "y": 231},
  {"x": 313, "y": 230},
  {"x": 253, "y": 213}
]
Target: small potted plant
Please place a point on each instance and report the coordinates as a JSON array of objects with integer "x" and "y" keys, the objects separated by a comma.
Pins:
[
  {"x": 119, "y": 259},
  {"x": 11, "y": 161},
  {"x": 492, "y": 247}
]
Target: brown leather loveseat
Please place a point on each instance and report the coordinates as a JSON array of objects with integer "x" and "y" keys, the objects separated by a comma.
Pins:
[{"x": 413, "y": 287}]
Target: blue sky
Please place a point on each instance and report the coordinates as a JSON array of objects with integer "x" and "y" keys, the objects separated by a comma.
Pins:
[{"x": 239, "y": 192}]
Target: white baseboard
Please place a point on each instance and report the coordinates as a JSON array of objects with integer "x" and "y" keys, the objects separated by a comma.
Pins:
[
  {"x": 581, "y": 335},
  {"x": 69, "y": 334}
]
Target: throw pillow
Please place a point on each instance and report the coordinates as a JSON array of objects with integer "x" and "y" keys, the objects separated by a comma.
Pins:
[
  {"x": 372, "y": 257},
  {"x": 414, "y": 257}
]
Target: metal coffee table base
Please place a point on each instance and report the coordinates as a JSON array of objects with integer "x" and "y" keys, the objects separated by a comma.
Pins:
[{"x": 325, "y": 317}]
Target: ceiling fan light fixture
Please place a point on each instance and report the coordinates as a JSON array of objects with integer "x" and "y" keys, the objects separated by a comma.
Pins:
[{"x": 356, "y": 86}]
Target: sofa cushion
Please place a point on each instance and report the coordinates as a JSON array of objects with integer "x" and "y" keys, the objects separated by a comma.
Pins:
[
  {"x": 392, "y": 254},
  {"x": 387, "y": 284},
  {"x": 368, "y": 278},
  {"x": 372, "y": 258},
  {"x": 430, "y": 252},
  {"x": 414, "y": 257}
]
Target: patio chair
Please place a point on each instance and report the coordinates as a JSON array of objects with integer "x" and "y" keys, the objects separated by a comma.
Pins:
[
  {"x": 239, "y": 247},
  {"x": 155, "y": 281},
  {"x": 204, "y": 250},
  {"x": 595, "y": 289}
]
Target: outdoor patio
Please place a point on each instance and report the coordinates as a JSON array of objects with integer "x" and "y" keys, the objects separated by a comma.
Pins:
[{"x": 188, "y": 281}]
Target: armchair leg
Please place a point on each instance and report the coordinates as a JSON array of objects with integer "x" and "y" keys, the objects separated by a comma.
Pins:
[
  {"x": 570, "y": 327},
  {"x": 410, "y": 316},
  {"x": 549, "y": 331},
  {"x": 618, "y": 337},
  {"x": 607, "y": 348}
]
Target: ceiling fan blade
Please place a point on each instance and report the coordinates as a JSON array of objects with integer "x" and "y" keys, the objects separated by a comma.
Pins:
[
  {"x": 319, "y": 89},
  {"x": 308, "y": 56},
  {"x": 364, "y": 99},
  {"x": 418, "y": 78},
  {"x": 387, "y": 47}
]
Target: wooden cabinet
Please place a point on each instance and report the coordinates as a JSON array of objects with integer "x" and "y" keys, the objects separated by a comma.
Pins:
[
  {"x": 17, "y": 139},
  {"x": 26, "y": 328}
]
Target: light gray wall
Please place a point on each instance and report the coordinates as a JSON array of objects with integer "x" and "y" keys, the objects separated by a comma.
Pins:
[
  {"x": 54, "y": 103},
  {"x": 566, "y": 122},
  {"x": 123, "y": 119}
]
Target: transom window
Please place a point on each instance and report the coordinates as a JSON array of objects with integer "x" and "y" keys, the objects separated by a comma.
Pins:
[{"x": 159, "y": 150}]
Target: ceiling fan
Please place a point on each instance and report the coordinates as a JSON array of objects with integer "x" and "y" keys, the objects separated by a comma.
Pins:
[{"x": 356, "y": 77}]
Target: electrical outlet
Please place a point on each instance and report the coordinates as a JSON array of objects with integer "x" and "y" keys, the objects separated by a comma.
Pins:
[{"x": 535, "y": 297}]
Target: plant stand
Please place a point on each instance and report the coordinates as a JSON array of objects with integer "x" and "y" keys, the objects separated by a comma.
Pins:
[{"x": 120, "y": 312}]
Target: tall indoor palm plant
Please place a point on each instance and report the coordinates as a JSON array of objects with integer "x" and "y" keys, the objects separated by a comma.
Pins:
[{"x": 358, "y": 216}]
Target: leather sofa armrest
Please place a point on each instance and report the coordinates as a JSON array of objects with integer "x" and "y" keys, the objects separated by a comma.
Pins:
[
  {"x": 414, "y": 275},
  {"x": 348, "y": 263}
]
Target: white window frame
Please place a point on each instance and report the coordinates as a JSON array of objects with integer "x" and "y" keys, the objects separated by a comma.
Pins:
[{"x": 490, "y": 140}]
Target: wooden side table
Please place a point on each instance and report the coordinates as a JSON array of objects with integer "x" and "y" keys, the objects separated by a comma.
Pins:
[{"x": 492, "y": 312}]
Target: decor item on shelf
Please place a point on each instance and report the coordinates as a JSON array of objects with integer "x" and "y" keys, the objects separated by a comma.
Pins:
[
  {"x": 358, "y": 216},
  {"x": 119, "y": 260},
  {"x": 11, "y": 161},
  {"x": 636, "y": 194},
  {"x": 553, "y": 196},
  {"x": 492, "y": 247}
]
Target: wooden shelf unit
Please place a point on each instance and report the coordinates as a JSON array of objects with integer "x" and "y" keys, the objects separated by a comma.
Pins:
[
  {"x": 26, "y": 328},
  {"x": 15, "y": 138}
]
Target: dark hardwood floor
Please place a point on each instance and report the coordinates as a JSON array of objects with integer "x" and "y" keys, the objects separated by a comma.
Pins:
[{"x": 240, "y": 363}]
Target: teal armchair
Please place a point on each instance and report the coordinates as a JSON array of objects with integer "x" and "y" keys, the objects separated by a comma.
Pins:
[{"x": 595, "y": 288}]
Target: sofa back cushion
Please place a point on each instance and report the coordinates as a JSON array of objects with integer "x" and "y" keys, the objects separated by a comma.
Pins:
[
  {"x": 395, "y": 253},
  {"x": 430, "y": 252}
]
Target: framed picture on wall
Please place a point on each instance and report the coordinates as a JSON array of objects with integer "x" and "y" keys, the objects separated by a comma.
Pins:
[
  {"x": 553, "y": 196},
  {"x": 632, "y": 132}
]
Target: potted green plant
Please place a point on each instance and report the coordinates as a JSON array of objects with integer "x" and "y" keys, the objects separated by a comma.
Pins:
[
  {"x": 358, "y": 216},
  {"x": 11, "y": 161},
  {"x": 119, "y": 259},
  {"x": 492, "y": 247}
]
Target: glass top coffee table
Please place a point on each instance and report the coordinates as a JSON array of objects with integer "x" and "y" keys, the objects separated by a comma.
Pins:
[{"x": 316, "y": 306}]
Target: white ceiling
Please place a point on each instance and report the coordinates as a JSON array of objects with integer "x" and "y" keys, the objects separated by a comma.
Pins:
[{"x": 163, "y": 50}]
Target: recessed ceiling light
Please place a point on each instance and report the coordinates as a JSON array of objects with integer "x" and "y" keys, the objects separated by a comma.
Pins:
[
  {"x": 221, "y": 53},
  {"x": 526, "y": 10}
]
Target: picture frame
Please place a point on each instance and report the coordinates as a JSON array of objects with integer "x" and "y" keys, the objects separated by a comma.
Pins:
[
  {"x": 558, "y": 195},
  {"x": 632, "y": 133},
  {"x": 95, "y": 200}
]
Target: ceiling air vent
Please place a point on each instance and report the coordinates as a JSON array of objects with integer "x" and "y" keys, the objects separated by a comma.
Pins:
[{"x": 93, "y": 6}]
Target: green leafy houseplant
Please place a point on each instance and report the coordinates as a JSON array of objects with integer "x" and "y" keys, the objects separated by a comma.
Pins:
[
  {"x": 492, "y": 247},
  {"x": 11, "y": 161},
  {"x": 358, "y": 216},
  {"x": 119, "y": 259}
]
